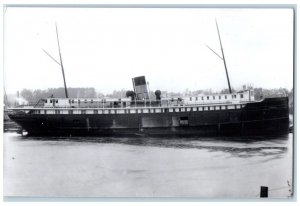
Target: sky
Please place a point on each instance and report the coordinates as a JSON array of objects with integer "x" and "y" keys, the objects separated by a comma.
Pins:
[{"x": 105, "y": 47}]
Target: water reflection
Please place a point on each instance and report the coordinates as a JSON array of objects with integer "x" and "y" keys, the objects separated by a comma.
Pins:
[{"x": 243, "y": 147}]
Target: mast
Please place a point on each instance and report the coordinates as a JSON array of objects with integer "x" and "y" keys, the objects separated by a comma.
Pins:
[
  {"x": 224, "y": 59},
  {"x": 61, "y": 64}
]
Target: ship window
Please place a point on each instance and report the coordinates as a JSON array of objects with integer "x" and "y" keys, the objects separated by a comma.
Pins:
[
  {"x": 225, "y": 96},
  {"x": 196, "y": 98},
  {"x": 70, "y": 111},
  {"x": 57, "y": 111},
  {"x": 241, "y": 95},
  {"x": 190, "y": 98},
  {"x": 45, "y": 111},
  {"x": 202, "y": 98},
  {"x": 120, "y": 111},
  {"x": 230, "y": 107},
  {"x": 92, "y": 101},
  {"x": 188, "y": 109},
  {"x": 72, "y": 100},
  {"x": 78, "y": 100},
  {"x": 194, "y": 108},
  {"x": 157, "y": 110},
  {"x": 83, "y": 112},
  {"x": 207, "y": 97},
  {"x": 219, "y": 97},
  {"x": 50, "y": 100},
  {"x": 213, "y": 97},
  {"x": 184, "y": 121},
  {"x": 95, "y": 111},
  {"x": 56, "y": 101},
  {"x": 46, "y": 101},
  {"x": 85, "y": 101},
  {"x": 170, "y": 110}
]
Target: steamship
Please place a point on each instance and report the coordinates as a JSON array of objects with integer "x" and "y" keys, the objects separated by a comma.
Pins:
[{"x": 232, "y": 114}]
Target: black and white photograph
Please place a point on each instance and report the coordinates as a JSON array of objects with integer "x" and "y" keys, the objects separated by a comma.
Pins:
[{"x": 148, "y": 101}]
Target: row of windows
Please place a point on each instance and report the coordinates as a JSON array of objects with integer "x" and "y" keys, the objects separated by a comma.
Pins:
[
  {"x": 70, "y": 101},
  {"x": 73, "y": 101},
  {"x": 214, "y": 97},
  {"x": 51, "y": 101},
  {"x": 85, "y": 101},
  {"x": 137, "y": 111},
  {"x": 196, "y": 98}
]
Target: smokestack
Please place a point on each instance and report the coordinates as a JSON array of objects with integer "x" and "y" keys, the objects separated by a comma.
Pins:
[{"x": 140, "y": 88}]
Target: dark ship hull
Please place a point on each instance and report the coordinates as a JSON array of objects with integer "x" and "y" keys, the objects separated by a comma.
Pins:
[{"x": 269, "y": 117}]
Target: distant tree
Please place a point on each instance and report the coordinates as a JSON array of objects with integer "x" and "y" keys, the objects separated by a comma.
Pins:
[
  {"x": 27, "y": 94},
  {"x": 117, "y": 94}
]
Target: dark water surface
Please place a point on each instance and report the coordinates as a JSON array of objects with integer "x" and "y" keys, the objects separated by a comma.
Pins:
[{"x": 147, "y": 167}]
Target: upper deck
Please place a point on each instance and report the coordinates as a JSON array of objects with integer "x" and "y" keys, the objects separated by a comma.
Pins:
[
  {"x": 109, "y": 105},
  {"x": 235, "y": 98}
]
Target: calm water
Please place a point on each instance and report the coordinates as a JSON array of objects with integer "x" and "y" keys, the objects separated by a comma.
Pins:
[{"x": 146, "y": 167}]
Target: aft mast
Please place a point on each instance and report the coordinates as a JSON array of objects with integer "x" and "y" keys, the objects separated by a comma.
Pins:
[
  {"x": 224, "y": 59},
  {"x": 61, "y": 64}
]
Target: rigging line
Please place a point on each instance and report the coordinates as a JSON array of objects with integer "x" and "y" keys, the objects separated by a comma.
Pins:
[
  {"x": 51, "y": 57},
  {"x": 214, "y": 52}
]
